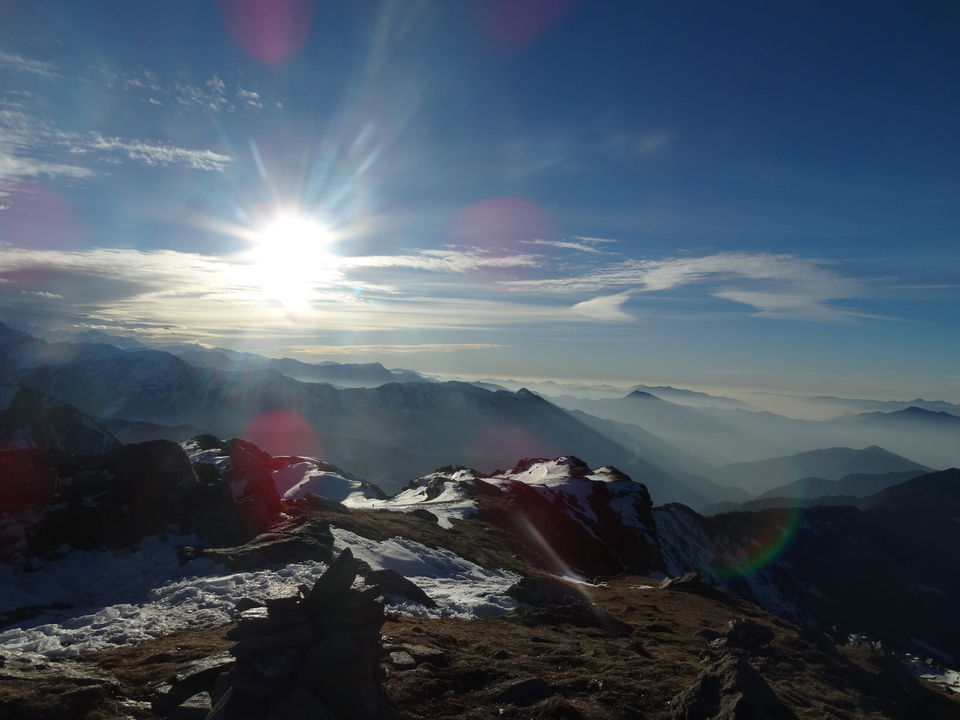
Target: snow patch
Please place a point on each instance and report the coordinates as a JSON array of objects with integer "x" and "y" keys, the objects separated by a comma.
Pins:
[
  {"x": 447, "y": 495},
  {"x": 459, "y": 587},
  {"x": 931, "y": 672},
  {"x": 111, "y": 598}
]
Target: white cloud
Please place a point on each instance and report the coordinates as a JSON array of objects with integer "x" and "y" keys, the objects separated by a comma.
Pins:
[
  {"x": 35, "y": 67},
  {"x": 215, "y": 94},
  {"x": 605, "y": 307},
  {"x": 322, "y": 350},
  {"x": 591, "y": 239},
  {"x": 219, "y": 296},
  {"x": 783, "y": 285},
  {"x": 146, "y": 80},
  {"x": 155, "y": 154},
  {"x": 217, "y": 85},
  {"x": 457, "y": 261},
  {"x": 929, "y": 286},
  {"x": 249, "y": 97},
  {"x": 16, "y": 166},
  {"x": 565, "y": 244},
  {"x": 27, "y": 143}
]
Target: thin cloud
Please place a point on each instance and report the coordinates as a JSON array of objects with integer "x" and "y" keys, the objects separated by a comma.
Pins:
[
  {"x": 249, "y": 97},
  {"x": 28, "y": 65},
  {"x": 214, "y": 296},
  {"x": 211, "y": 97},
  {"x": 217, "y": 85},
  {"x": 159, "y": 154},
  {"x": 640, "y": 144},
  {"x": 606, "y": 307},
  {"x": 43, "y": 294},
  {"x": 941, "y": 286},
  {"x": 215, "y": 94},
  {"x": 565, "y": 244},
  {"x": 782, "y": 285},
  {"x": 322, "y": 350},
  {"x": 26, "y": 143},
  {"x": 456, "y": 261},
  {"x": 591, "y": 239},
  {"x": 18, "y": 166}
]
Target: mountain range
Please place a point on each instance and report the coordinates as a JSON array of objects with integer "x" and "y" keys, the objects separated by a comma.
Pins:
[
  {"x": 768, "y": 596},
  {"x": 392, "y": 432}
]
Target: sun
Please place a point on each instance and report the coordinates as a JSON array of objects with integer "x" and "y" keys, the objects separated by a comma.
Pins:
[{"x": 292, "y": 257}]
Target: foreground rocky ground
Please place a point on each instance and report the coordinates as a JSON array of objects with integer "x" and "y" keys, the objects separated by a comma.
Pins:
[
  {"x": 626, "y": 645},
  {"x": 675, "y": 661},
  {"x": 624, "y": 648}
]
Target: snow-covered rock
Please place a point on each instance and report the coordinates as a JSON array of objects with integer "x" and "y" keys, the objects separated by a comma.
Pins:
[{"x": 311, "y": 475}]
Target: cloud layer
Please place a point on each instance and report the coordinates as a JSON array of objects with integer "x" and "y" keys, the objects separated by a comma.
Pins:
[{"x": 775, "y": 285}]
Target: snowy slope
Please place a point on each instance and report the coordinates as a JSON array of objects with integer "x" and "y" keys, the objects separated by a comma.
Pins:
[
  {"x": 453, "y": 493},
  {"x": 310, "y": 475},
  {"x": 447, "y": 494},
  {"x": 121, "y": 598}
]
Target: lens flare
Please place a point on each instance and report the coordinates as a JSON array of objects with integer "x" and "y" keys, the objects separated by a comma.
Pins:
[
  {"x": 514, "y": 25},
  {"x": 270, "y": 30},
  {"x": 772, "y": 535},
  {"x": 502, "y": 222},
  {"x": 283, "y": 433},
  {"x": 35, "y": 217}
]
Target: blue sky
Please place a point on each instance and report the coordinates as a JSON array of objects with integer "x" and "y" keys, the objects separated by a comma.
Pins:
[{"x": 745, "y": 194}]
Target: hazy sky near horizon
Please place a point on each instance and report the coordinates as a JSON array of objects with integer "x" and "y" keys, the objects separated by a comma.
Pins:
[{"x": 751, "y": 194}]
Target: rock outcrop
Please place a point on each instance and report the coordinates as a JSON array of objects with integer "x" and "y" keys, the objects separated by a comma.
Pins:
[
  {"x": 730, "y": 689},
  {"x": 116, "y": 498},
  {"x": 313, "y": 655}
]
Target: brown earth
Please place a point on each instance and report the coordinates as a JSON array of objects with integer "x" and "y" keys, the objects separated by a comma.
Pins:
[{"x": 588, "y": 674}]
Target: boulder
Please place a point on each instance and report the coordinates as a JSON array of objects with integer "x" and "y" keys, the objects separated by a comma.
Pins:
[
  {"x": 402, "y": 660},
  {"x": 393, "y": 584},
  {"x": 731, "y": 689},
  {"x": 292, "y": 541},
  {"x": 194, "y": 708},
  {"x": 544, "y": 590},
  {"x": 526, "y": 692},
  {"x": 748, "y": 635},
  {"x": 688, "y": 582},
  {"x": 152, "y": 469},
  {"x": 424, "y": 654}
]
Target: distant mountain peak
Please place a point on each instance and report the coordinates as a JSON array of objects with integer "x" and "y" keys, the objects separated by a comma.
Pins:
[
  {"x": 920, "y": 412},
  {"x": 644, "y": 395},
  {"x": 909, "y": 413}
]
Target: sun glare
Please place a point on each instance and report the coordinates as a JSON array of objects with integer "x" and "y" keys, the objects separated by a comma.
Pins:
[{"x": 291, "y": 259}]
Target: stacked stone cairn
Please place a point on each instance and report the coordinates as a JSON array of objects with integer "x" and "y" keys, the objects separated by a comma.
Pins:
[{"x": 314, "y": 655}]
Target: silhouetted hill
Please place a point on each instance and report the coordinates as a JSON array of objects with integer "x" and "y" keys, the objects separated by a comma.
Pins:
[
  {"x": 908, "y": 416},
  {"x": 830, "y": 463},
  {"x": 854, "y": 484},
  {"x": 31, "y": 419}
]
